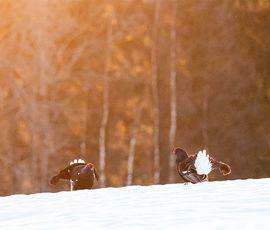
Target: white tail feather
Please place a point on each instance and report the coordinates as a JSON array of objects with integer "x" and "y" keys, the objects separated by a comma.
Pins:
[
  {"x": 76, "y": 161},
  {"x": 202, "y": 163},
  {"x": 81, "y": 161}
]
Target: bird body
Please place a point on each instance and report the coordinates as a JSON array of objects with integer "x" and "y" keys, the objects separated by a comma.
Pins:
[
  {"x": 195, "y": 168},
  {"x": 81, "y": 175}
]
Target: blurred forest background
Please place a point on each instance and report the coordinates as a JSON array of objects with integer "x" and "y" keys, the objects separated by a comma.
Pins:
[{"x": 120, "y": 83}]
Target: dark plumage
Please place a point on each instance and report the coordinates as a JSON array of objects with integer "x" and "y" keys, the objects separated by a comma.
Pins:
[
  {"x": 81, "y": 175},
  {"x": 187, "y": 170}
]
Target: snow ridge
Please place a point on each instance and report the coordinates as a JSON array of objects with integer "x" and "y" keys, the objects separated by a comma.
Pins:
[
  {"x": 222, "y": 205},
  {"x": 202, "y": 163}
]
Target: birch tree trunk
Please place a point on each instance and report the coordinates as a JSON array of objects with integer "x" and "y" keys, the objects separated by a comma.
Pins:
[
  {"x": 37, "y": 96},
  {"x": 43, "y": 73},
  {"x": 132, "y": 147},
  {"x": 85, "y": 125},
  {"x": 105, "y": 108},
  {"x": 205, "y": 115},
  {"x": 173, "y": 111},
  {"x": 154, "y": 66}
]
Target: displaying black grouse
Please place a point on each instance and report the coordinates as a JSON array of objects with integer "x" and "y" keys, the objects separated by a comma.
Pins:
[
  {"x": 195, "y": 168},
  {"x": 80, "y": 174}
]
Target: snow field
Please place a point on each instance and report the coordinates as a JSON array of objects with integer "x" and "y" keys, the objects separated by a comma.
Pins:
[{"x": 238, "y": 204}]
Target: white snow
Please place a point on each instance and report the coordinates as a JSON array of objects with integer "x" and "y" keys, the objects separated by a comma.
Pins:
[
  {"x": 238, "y": 204},
  {"x": 202, "y": 163}
]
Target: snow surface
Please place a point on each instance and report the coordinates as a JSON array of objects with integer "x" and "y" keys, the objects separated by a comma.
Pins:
[
  {"x": 202, "y": 163},
  {"x": 238, "y": 204}
]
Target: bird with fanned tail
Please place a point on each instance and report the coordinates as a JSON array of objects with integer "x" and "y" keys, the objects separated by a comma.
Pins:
[{"x": 195, "y": 168}]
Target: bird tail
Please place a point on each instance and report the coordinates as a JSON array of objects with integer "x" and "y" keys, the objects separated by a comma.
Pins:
[{"x": 202, "y": 163}]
